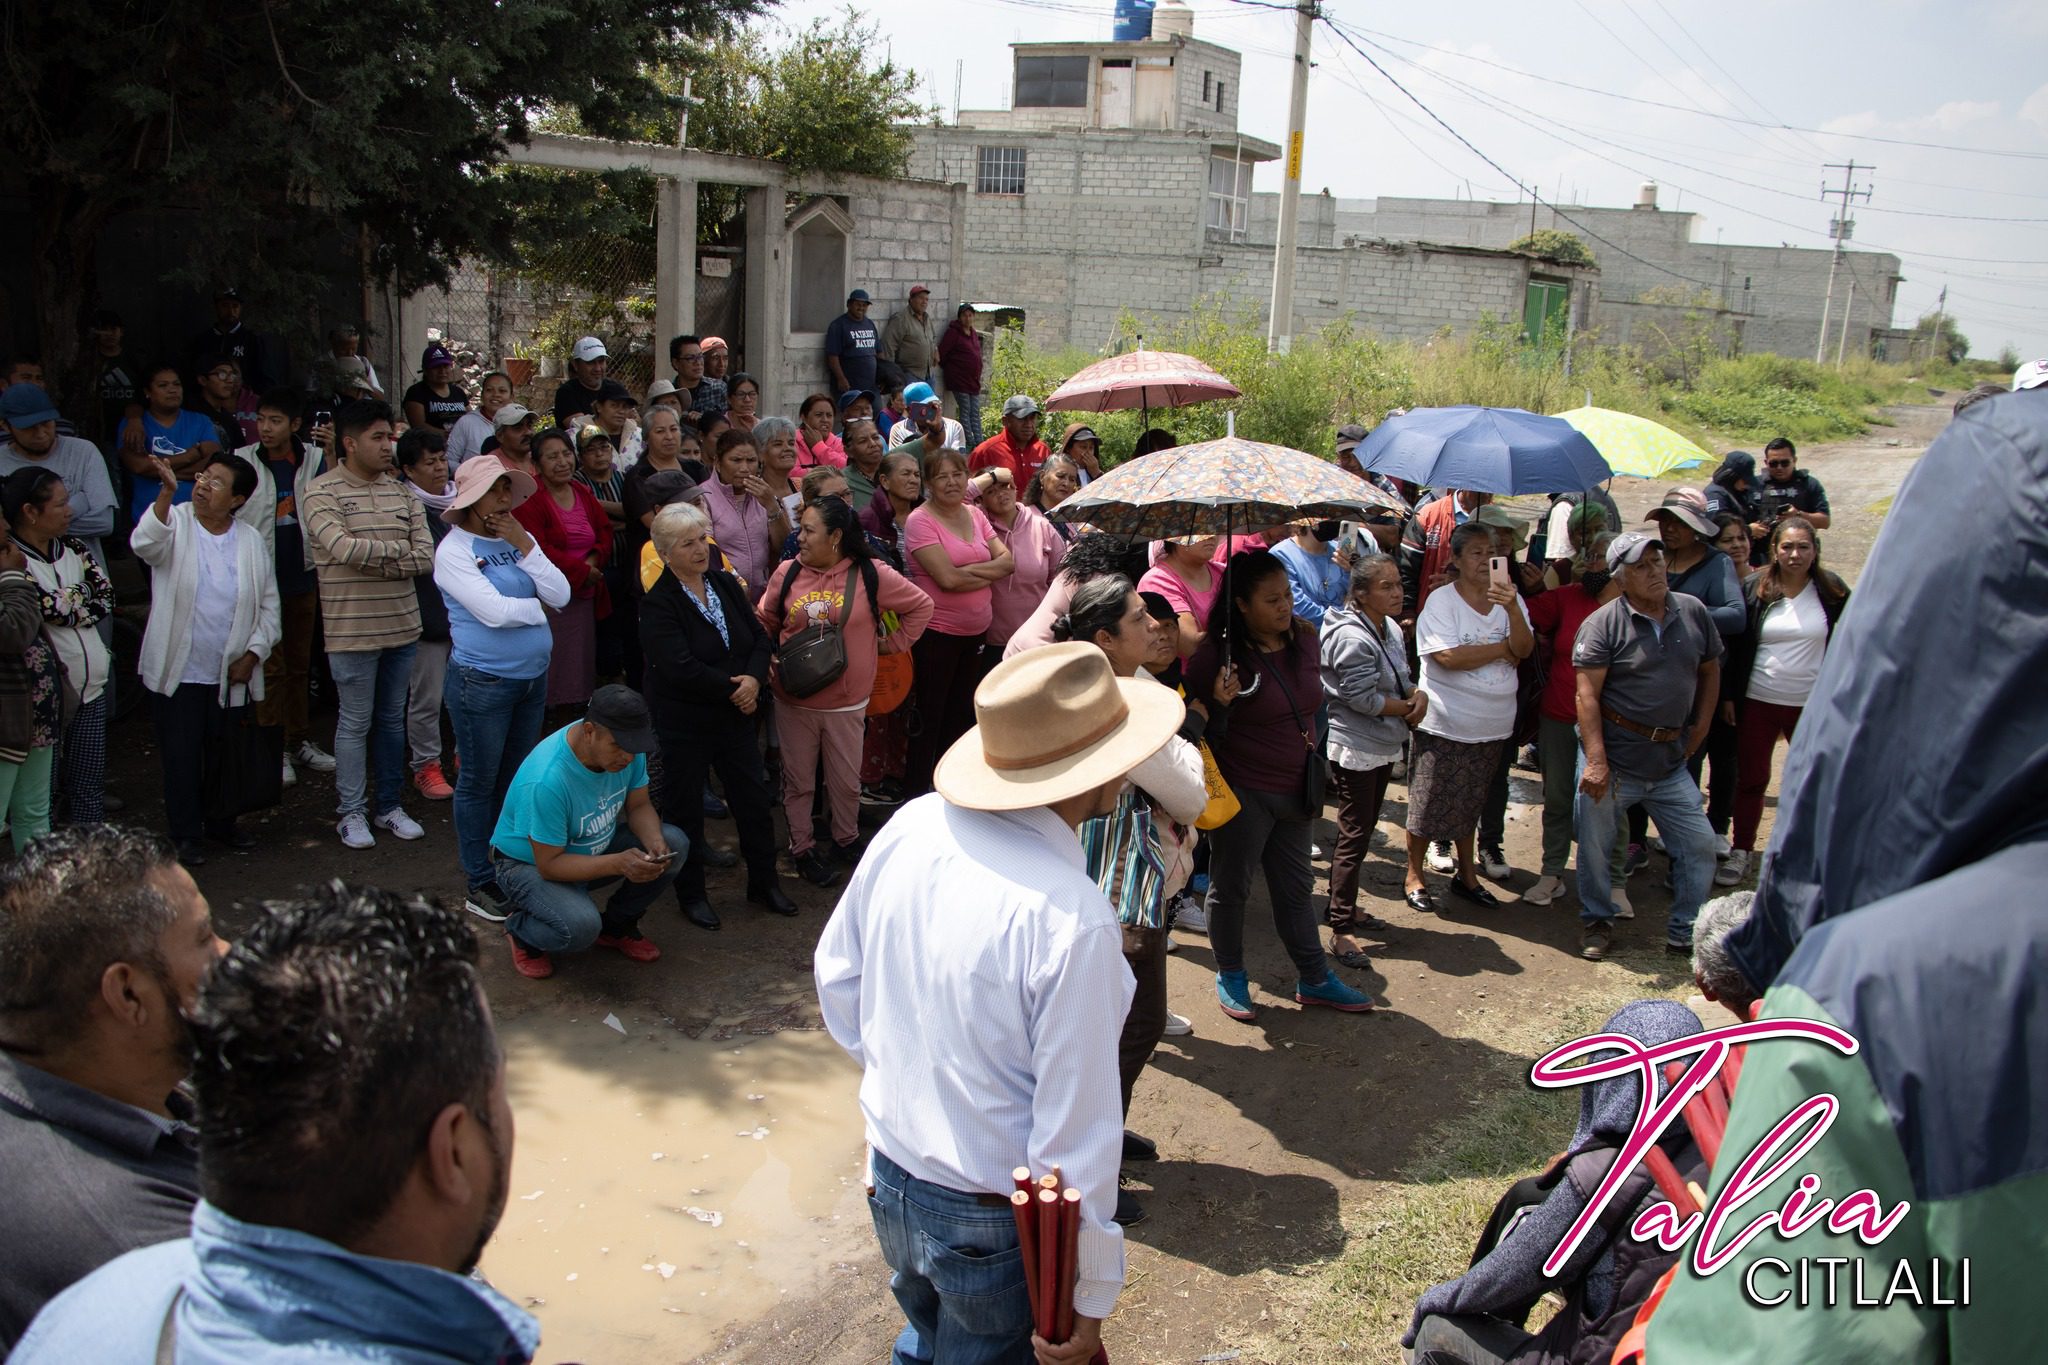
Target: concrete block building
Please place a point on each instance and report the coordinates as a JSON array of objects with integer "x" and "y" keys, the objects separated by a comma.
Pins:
[{"x": 1119, "y": 181}]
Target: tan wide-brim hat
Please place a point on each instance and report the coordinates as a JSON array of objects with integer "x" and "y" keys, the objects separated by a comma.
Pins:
[
  {"x": 1055, "y": 722},
  {"x": 476, "y": 476}
]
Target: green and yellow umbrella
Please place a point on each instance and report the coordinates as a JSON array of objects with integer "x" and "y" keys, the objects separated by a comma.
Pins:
[{"x": 1634, "y": 445}]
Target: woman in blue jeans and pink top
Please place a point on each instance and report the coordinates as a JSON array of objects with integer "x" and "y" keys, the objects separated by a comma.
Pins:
[
  {"x": 498, "y": 585},
  {"x": 1262, "y": 730},
  {"x": 954, "y": 555}
]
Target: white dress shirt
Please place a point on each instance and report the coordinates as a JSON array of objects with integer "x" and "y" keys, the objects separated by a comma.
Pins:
[{"x": 975, "y": 971}]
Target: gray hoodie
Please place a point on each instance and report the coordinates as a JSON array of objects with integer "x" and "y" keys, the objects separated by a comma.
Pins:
[{"x": 1360, "y": 673}]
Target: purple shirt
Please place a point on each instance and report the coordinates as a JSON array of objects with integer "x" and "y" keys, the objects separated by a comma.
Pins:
[{"x": 1261, "y": 746}]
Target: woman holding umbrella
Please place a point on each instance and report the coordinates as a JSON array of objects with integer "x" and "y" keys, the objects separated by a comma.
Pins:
[
  {"x": 1265, "y": 677},
  {"x": 1470, "y": 638}
]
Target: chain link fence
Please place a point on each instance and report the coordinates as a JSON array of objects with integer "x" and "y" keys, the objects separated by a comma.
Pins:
[{"x": 526, "y": 319}]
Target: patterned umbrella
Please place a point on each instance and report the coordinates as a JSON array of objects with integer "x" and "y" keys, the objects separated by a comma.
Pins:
[
  {"x": 1217, "y": 487},
  {"x": 1141, "y": 379},
  {"x": 1634, "y": 445}
]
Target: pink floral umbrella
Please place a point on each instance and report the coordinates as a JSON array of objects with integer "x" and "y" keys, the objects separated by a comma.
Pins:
[{"x": 1141, "y": 379}]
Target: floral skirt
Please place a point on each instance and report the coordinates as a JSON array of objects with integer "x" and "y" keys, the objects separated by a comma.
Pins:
[{"x": 1447, "y": 781}]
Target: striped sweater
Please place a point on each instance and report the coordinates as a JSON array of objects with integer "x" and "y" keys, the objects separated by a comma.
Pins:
[{"x": 369, "y": 541}]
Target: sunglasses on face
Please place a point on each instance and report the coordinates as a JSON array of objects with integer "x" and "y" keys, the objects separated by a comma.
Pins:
[{"x": 1777, "y": 464}]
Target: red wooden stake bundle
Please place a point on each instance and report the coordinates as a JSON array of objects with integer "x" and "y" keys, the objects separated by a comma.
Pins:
[
  {"x": 1070, "y": 1265},
  {"x": 1048, "y": 1265},
  {"x": 1027, "y": 1244}
]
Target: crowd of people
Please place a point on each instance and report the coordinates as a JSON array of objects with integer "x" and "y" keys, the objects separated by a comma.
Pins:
[{"x": 594, "y": 633}]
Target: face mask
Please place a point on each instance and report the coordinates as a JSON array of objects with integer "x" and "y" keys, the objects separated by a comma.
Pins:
[{"x": 1327, "y": 531}]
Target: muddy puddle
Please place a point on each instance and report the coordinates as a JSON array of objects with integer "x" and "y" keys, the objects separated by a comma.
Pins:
[{"x": 663, "y": 1187}]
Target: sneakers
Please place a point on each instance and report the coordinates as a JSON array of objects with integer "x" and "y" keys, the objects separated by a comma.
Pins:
[
  {"x": 714, "y": 806},
  {"x": 1334, "y": 993},
  {"x": 1722, "y": 848},
  {"x": 1657, "y": 842},
  {"x": 1178, "y": 1025},
  {"x": 1189, "y": 914},
  {"x": 1622, "y": 909},
  {"x": 1234, "y": 995},
  {"x": 887, "y": 792},
  {"x": 1440, "y": 858},
  {"x": 1492, "y": 862},
  {"x": 814, "y": 865},
  {"x": 534, "y": 966},
  {"x": 1128, "y": 1210},
  {"x": 488, "y": 902},
  {"x": 1733, "y": 868},
  {"x": 355, "y": 831},
  {"x": 1546, "y": 890},
  {"x": 1594, "y": 940},
  {"x": 1638, "y": 858},
  {"x": 291, "y": 774},
  {"x": 633, "y": 945},
  {"x": 400, "y": 824},
  {"x": 313, "y": 758},
  {"x": 432, "y": 783}
]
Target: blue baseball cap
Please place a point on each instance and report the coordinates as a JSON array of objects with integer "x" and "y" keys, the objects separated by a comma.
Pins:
[
  {"x": 859, "y": 296},
  {"x": 852, "y": 396},
  {"x": 920, "y": 392},
  {"x": 26, "y": 405}
]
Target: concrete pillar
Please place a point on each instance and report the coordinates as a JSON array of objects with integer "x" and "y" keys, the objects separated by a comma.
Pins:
[
  {"x": 767, "y": 297},
  {"x": 675, "y": 270}
]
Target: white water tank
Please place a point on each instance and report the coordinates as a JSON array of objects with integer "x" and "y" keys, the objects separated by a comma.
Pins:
[
  {"x": 1172, "y": 19},
  {"x": 1646, "y": 195}
]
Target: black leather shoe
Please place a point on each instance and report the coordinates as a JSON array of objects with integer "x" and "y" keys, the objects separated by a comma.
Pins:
[
  {"x": 851, "y": 851},
  {"x": 1420, "y": 901},
  {"x": 191, "y": 853},
  {"x": 232, "y": 836},
  {"x": 1128, "y": 1209},
  {"x": 714, "y": 856},
  {"x": 1478, "y": 895},
  {"x": 772, "y": 899},
  {"x": 702, "y": 915},
  {"x": 1139, "y": 1148}
]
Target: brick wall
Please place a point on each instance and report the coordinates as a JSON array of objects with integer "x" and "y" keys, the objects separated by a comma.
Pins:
[{"x": 905, "y": 232}]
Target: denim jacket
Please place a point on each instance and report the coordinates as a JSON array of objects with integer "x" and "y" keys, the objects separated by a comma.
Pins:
[{"x": 255, "y": 1292}]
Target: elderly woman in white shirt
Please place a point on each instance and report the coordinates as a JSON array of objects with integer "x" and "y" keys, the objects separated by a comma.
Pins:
[{"x": 213, "y": 618}]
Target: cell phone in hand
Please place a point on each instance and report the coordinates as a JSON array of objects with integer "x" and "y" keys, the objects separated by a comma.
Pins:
[
  {"x": 661, "y": 857},
  {"x": 1499, "y": 567}
]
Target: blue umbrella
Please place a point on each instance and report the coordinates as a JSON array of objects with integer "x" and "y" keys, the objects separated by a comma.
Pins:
[{"x": 1484, "y": 450}]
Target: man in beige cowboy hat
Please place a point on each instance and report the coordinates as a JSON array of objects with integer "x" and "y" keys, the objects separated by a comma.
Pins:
[{"x": 976, "y": 972}]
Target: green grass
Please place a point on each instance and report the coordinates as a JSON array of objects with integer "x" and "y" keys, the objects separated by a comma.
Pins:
[
  {"x": 1341, "y": 374},
  {"x": 1419, "y": 1229}
]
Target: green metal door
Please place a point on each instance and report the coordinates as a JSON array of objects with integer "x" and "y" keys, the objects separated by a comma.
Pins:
[{"x": 1546, "y": 301}]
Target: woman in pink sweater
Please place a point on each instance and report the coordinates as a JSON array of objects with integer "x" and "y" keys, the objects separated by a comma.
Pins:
[{"x": 833, "y": 580}]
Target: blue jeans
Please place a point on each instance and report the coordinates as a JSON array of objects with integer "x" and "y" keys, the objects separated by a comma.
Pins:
[
  {"x": 1674, "y": 803},
  {"x": 497, "y": 722},
  {"x": 371, "y": 685},
  {"x": 969, "y": 408},
  {"x": 958, "y": 1272},
  {"x": 562, "y": 917}
]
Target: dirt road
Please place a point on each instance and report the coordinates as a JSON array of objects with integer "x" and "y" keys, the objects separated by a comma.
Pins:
[{"x": 685, "y": 1179}]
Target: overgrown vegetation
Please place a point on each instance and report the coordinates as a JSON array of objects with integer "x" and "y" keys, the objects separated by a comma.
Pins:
[
  {"x": 1555, "y": 244},
  {"x": 1341, "y": 374}
]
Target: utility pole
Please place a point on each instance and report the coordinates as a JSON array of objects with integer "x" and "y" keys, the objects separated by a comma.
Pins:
[
  {"x": 1839, "y": 229},
  {"x": 1848, "y": 310},
  {"x": 1934, "y": 340},
  {"x": 1280, "y": 326}
]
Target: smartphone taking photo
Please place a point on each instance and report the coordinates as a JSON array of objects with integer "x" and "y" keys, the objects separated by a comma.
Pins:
[{"x": 1499, "y": 567}]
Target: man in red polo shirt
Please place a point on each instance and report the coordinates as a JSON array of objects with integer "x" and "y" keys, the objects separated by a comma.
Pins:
[{"x": 1016, "y": 447}]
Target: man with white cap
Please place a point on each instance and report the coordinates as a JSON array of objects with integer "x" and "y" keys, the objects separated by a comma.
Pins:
[
  {"x": 2032, "y": 375},
  {"x": 578, "y": 395},
  {"x": 1649, "y": 675},
  {"x": 977, "y": 974},
  {"x": 511, "y": 436}
]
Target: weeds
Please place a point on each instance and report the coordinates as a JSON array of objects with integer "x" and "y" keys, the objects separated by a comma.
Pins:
[{"x": 1340, "y": 374}]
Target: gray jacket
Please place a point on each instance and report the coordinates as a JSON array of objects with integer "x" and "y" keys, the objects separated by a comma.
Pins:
[{"x": 1359, "y": 675}]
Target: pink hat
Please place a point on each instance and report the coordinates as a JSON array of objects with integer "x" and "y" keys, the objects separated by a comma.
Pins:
[
  {"x": 478, "y": 475},
  {"x": 713, "y": 344}
]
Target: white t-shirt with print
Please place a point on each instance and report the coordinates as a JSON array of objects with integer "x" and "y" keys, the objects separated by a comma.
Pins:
[{"x": 1470, "y": 705}]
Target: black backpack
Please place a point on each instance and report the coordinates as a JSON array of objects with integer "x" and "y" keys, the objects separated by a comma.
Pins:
[{"x": 815, "y": 657}]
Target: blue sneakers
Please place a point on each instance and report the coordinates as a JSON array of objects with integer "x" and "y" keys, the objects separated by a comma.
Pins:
[
  {"x": 1234, "y": 994},
  {"x": 1329, "y": 991}
]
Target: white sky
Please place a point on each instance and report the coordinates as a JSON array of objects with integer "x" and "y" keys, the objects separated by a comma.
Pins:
[{"x": 1965, "y": 74}]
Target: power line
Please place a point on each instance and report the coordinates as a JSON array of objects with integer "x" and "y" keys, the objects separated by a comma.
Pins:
[
  {"x": 1534, "y": 196},
  {"x": 1755, "y": 103},
  {"x": 1689, "y": 109}
]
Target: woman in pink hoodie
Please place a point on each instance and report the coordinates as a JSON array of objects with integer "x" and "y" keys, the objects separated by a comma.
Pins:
[{"x": 833, "y": 580}]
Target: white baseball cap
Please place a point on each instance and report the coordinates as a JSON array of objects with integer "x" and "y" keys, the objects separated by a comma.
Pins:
[
  {"x": 2031, "y": 375},
  {"x": 590, "y": 348}
]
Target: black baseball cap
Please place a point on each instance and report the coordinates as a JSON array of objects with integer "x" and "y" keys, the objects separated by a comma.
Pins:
[{"x": 624, "y": 713}]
